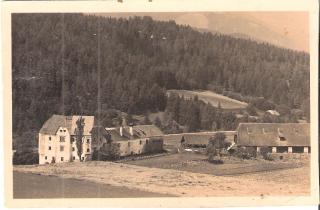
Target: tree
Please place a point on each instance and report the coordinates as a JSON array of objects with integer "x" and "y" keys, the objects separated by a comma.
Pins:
[
  {"x": 251, "y": 110},
  {"x": 79, "y": 136},
  {"x": 157, "y": 122},
  {"x": 215, "y": 146},
  {"x": 146, "y": 120}
]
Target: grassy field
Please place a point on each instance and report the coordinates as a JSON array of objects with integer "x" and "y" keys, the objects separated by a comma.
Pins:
[
  {"x": 180, "y": 181},
  {"x": 212, "y": 98},
  {"x": 197, "y": 163}
]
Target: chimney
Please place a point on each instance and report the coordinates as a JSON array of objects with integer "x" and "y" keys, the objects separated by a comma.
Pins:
[
  {"x": 131, "y": 129},
  {"x": 121, "y": 130}
]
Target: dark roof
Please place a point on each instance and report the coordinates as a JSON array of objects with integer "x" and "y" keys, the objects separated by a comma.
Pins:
[
  {"x": 268, "y": 134},
  {"x": 55, "y": 121},
  {"x": 202, "y": 138},
  {"x": 197, "y": 139}
]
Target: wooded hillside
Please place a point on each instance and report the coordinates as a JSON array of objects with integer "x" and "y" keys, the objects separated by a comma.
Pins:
[{"x": 55, "y": 62}]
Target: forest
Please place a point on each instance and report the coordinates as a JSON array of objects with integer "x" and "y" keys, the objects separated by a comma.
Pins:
[{"x": 87, "y": 64}]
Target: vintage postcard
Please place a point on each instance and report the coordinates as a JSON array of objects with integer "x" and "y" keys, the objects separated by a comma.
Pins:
[{"x": 160, "y": 103}]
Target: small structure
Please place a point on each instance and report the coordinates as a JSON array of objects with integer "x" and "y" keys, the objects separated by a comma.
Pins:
[
  {"x": 57, "y": 139},
  {"x": 201, "y": 139},
  {"x": 278, "y": 137},
  {"x": 134, "y": 140}
]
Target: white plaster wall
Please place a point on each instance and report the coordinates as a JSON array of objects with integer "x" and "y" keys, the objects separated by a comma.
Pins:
[{"x": 134, "y": 148}]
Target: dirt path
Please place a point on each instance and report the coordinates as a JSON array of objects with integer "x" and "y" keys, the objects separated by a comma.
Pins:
[{"x": 180, "y": 183}]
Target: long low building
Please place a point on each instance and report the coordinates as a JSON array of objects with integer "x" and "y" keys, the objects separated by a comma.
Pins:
[
  {"x": 278, "y": 137},
  {"x": 200, "y": 139}
]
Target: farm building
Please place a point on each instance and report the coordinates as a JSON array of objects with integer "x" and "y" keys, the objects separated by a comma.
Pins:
[
  {"x": 278, "y": 137},
  {"x": 200, "y": 139},
  {"x": 133, "y": 140},
  {"x": 57, "y": 139}
]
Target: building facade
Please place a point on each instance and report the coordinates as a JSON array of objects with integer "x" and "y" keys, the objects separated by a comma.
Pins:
[
  {"x": 133, "y": 140},
  {"x": 57, "y": 139}
]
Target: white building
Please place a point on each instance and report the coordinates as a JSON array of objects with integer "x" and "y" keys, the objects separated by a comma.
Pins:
[{"x": 57, "y": 139}]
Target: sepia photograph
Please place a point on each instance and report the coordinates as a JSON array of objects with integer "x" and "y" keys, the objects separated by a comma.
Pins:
[{"x": 161, "y": 104}]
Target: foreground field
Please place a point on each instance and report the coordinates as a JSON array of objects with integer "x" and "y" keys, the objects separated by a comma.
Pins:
[
  {"x": 27, "y": 185},
  {"x": 180, "y": 183},
  {"x": 212, "y": 98}
]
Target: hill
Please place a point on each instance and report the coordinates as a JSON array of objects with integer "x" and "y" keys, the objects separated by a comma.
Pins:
[{"x": 66, "y": 63}]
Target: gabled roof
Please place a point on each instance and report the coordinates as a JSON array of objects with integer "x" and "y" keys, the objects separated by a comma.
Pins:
[
  {"x": 69, "y": 122},
  {"x": 269, "y": 134},
  {"x": 147, "y": 130},
  {"x": 139, "y": 131}
]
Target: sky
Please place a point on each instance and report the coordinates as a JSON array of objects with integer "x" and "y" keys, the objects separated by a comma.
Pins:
[{"x": 284, "y": 29}]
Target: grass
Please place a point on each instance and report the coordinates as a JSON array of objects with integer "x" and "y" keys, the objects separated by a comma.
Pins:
[
  {"x": 197, "y": 163},
  {"x": 212, "y": 98}
]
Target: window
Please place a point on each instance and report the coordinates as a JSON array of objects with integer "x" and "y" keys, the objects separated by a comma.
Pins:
[
  {"x": 73, "y": 149},
  {"x": 62, "y": 138},
  {"x": 49, "y": 138},
  {"x": 73, "y": 157},
  {"x": 82, "y": 158},
  {"x": 60, "y": 130},
  {"x": 45, "y": 157},
  {"x": 64, "y": 130},
  {"x": 140, "y": 142},
  {"x": 282, "y": 138},
  {"x": 49, "y": 148},
  {"x": 61, "y": 158},
  {"x": 147, "y": 141},
  {"x": 88, "y": 140},
  {"x": 88, "y": 150},
  {"x": 61, "y": 148}
]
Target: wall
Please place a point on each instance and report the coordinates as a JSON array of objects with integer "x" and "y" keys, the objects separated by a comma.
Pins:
[
  {"x": 53, "y": 141},
  {"x": 140, "y": 146},
  {"x": 46, "y": 155}
]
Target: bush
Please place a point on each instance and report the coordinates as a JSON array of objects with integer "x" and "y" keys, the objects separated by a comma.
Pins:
[
  {"x": 245, "y": 152},
  {"x": 265, "y": 153},
  {"x": 25, "y": 158},
  {"x": 110, "y": 151}
]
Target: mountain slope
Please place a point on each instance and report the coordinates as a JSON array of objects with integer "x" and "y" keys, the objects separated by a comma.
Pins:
[{"x": 57, "y": 66}]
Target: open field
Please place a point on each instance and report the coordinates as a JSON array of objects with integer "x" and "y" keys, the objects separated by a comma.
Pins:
[
  {"x": 197, "y": 163},
  {"x": 180, "y": 182},
  {"x": 212, "y": 98},
  {"x": 27, "y": 185}
]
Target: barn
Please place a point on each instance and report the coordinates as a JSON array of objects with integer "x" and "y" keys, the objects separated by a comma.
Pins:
[{"x": 277, "y": 137}]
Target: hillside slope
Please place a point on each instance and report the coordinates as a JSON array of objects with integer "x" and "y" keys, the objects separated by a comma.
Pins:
[{"x": 60, "y": 61}]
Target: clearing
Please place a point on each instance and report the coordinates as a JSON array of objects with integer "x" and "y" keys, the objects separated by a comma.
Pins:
[{"x": 212, "y": 98}]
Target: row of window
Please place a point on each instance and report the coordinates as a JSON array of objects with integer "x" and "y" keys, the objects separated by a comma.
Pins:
[
  {"x": 62, "y": 158},
  {"x": 62, "y": 149},
  {"x": 147, "y": 141},
  {"x": 63, "y": 139}
]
